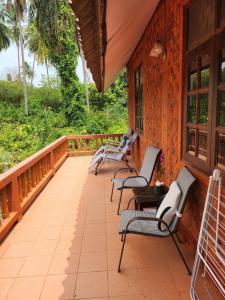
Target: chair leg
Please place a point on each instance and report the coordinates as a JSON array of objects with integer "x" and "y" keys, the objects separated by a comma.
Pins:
[
  {"x": 121, "y": 254},
  {"x": 118, "y": 209},
  {"x": 121, "y": 237},
  {"x": 128, "y": 205},
  {"x": 112, "y": 192},
  {"x": 96, "y": 169},
  {"x": 127, "y": 164},
  {"x": 181, "y": 255}
]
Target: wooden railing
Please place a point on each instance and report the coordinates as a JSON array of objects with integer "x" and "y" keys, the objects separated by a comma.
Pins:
[
  {"x": 20, "y": 185},
  {"x": 88, "y": 144}
]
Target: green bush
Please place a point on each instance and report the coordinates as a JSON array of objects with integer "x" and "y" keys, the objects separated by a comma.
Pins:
[
  {"x": 51, "y": 117},
  {"x": 11, "y": 92}
]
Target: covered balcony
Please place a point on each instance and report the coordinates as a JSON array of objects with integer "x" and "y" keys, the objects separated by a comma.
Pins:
[{"x": 66, "y": 245}]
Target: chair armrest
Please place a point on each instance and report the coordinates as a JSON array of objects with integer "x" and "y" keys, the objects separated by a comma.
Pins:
[
  {"x": 112, "y": 151},
  {"x": 148, "y": 219},
  {"x": 123, "y": 169},
  {"x": 138, "y": 176},
  {"x": 112, "y": 143}
]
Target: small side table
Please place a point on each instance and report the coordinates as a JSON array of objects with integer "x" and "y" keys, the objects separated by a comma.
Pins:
[{"x": 148, "y": 197}]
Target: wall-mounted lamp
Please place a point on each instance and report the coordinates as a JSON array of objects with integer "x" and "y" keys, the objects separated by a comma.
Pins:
[{"x": 158, "y": 50}]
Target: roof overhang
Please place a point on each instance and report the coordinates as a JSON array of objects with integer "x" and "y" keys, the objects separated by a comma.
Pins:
[{"x": 109, "y": 31}]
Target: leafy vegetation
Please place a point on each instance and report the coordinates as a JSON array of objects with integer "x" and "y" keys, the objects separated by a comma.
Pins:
[
  {"x": 59, "y": 107},
  {"x": 48, "y": 119}
]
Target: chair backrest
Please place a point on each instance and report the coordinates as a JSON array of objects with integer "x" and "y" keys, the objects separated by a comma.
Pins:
[
  {"x": 125, "y": 137},
  {"x": 185, "y": 181},
  {"x": 129, "y": 143},
  {"x": 149, "y": 162}
]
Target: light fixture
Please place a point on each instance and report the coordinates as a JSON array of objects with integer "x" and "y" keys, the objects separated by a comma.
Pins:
[{"x": 158, "y": 50}]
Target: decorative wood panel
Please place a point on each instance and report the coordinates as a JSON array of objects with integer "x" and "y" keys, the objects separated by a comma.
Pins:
[{"x": 163, "y": 104}]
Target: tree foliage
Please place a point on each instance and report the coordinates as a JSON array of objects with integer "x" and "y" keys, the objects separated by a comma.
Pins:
[
  {"x": 21, "y": 135},
  {"x": 58, "y": 107}
]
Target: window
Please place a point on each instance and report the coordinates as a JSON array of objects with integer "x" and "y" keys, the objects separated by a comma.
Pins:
[
  {"x": 139, "y": 99},
  {"x": 204, "y": 109}
]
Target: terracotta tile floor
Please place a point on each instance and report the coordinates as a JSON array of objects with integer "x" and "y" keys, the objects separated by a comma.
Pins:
[{"x": 67, "y": 247}]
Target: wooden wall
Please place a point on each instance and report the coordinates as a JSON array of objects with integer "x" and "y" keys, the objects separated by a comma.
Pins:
[{"x": 162, "y": 93}]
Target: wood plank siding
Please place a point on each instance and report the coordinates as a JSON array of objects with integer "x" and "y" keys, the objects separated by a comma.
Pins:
[{"x": 162, "y": 96}]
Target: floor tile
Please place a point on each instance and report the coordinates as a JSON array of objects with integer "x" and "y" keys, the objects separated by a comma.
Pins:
[
  {"x": 95, "y": 218},
  {"x": 27, "y": 288},
  {"x": 112, "y": 228},
  {"x": 49, "y": 233},
  {"x": 130, "y": 297},
  {"x": 36, "y": 265},
  {"x": 91, "y": 285},
  {"x": 72, "y": 231},
  {"x": 95, "y": 230},
  {"x": 127, "y": 262},
  {"x": 69, "y": 246},
  {"x": 91, "y": 244},
  {"x": 125, "y": 283},
  {"x": 43, "y": 248},
  {"x": 157, "y": 281},
  {"x": 26, "y": 235},
  {"x": 21, "y": 249},
  {"x": 5, "y": 285},
  {"x": 9, "y": 267},
  {"x": 60, "y": 287},
  {"x": 114, "y": 242},
  {"x": 62, "y": 264},
  {"x": 93, "y": 261},
  {"x": 74, "y": 238}
]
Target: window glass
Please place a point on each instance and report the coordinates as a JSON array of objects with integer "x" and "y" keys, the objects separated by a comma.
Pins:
[
  {"x": 205, "y": 77},
  {"x": 202, "y": 145},
  {"x": 221, "y": 108},
  {"x": 222, "y": 67},
  {"x": 203, "y": 108},
  {"x": 221, "y": 151},
  {"x": 191, "y": 141},
  {"x": 222, "y": 13},
  {"x": 193, "y": 80},
  {"x": 204, "y": 74},
  {"x": 192, "y": 109},
  {"x": 139, "y": 98}
]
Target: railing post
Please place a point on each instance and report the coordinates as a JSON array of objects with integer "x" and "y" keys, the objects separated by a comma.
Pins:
[
  {"x": 15, "y": 204},
  {"x": 52, "y": 163}
]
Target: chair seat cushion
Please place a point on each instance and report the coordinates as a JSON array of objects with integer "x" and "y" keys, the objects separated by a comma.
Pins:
[
  {"x": 130, "y": 183},
  {"x": 141, "y": 226},
  {"x": 169, "y": 205}
]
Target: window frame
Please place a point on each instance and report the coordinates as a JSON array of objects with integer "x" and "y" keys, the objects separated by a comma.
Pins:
[
  {"x": 139, "y": 118},
  {"x": 213, "y": 42}
]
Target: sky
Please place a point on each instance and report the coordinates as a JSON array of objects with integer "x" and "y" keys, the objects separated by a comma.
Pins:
[{"x": 8, "y": 64}]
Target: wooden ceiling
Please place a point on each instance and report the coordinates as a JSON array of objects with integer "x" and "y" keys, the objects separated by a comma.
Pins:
[{"x": 109, "y": 31}]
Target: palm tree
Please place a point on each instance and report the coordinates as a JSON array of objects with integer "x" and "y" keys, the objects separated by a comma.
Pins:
[
  {"x": 29, "y": 71},
  {"x": 20, "y": 7},
  {"x": 13, "y": 25},
  {"x": 36, "y": 45},
  {"x": 4, "y": 30}
]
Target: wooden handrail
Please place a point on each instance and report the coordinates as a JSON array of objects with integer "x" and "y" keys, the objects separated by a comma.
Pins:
[
  {"x": 20, "y": 185},
  {"x": 88, "y": 143}
]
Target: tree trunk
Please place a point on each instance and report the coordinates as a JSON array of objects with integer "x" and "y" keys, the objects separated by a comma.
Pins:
[
  {"x": 32, "y": 77},
  {"x": 23, "y": 64},
  {"x": 18, "y": 60},
  {"x": 85, "y": 81},
  {"x": 46, "y": 64}
]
